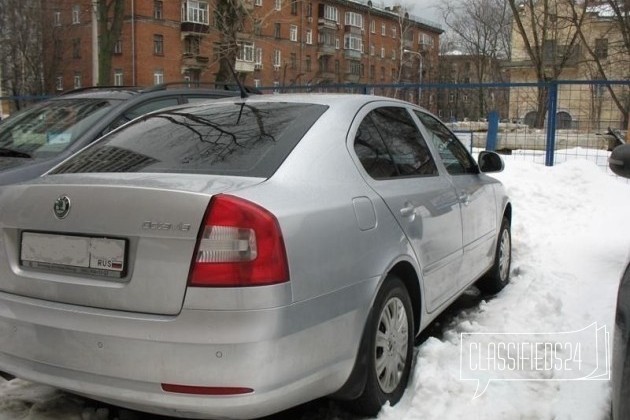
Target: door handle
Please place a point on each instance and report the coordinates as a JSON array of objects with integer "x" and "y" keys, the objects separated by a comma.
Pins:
[{"x": 408, "y": 210}]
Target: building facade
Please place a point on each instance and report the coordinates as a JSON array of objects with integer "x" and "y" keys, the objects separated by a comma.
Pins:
[
  {"x": 580, "y": 106},
  {"x": 458, "y": 98},
  {"x": 271, "y": 43}
]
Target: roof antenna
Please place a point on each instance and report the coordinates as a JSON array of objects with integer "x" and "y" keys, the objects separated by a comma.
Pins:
[{"x": 238, "y": 82}]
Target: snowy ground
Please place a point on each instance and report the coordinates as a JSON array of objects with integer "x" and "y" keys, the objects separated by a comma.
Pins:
[{"x": 570, "y": 240}]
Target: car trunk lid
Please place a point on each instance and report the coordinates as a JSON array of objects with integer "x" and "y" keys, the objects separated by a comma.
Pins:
[{"x": 121, "y": 242}]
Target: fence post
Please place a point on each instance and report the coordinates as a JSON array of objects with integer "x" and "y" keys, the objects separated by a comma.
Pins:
[
  {"x": 552, "y": 109},
  {"x": 493, "y": 130}
]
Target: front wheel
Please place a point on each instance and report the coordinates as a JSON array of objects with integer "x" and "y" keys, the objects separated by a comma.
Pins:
[
  {"x": 499, "y": 275},
  {"x": 390, "y": 348}
]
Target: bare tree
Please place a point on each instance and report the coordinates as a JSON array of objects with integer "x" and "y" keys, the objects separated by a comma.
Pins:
[
  {"x": 230, "y": 17},
  {"x": 482, "y": 30},
  {"x": 608, "y": 52},
  {"x": 21, "y": 52},
  {"x": 550, "y": 41}
]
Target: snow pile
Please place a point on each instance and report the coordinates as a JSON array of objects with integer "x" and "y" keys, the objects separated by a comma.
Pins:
[{"x": 570, "y": 242}]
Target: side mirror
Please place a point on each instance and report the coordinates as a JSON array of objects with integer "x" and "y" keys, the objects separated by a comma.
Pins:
[
  {"x": 619, "y": 160},
  {"x": 490, "y": 162}
]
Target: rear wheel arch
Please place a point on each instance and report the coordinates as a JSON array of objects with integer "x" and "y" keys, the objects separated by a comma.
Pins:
[
  {"x": 507, "y": 213},
  {"x": 404, "y": 271},
  {"x": 407, "y": 273}
]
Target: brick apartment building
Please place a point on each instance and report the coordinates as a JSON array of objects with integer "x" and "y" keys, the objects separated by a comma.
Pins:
[{"x": 281, "y": 43}]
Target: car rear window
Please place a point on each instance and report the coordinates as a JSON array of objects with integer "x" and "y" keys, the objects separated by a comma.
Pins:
[{"x": 245, "y": 139}]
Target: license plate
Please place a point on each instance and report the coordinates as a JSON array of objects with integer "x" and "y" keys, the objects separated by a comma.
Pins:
[{"x": 74, "y": 254}]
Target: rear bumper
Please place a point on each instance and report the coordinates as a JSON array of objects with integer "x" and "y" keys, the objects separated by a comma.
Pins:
[{"x": 287, "y": 355}]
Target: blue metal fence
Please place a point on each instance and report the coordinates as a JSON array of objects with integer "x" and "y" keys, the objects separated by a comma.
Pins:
[{"x": 572, "y": 120}]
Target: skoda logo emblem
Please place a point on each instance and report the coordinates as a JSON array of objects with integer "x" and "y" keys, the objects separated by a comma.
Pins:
[{"x": 62, "y": 207}]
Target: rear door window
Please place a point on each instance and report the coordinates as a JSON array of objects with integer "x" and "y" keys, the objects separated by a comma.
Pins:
[
  {"x": 247, "y": 139},
  {"x": 389, "y": 144},
  {"x": 454, "y": 155}
]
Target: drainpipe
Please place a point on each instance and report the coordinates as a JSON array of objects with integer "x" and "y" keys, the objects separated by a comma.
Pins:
[
  {"x": 133, "y": 43},
  {"x": 95, "y": 69}
]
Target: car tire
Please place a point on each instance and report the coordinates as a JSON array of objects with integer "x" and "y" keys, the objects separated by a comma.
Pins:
[
  {"x": 390, "y": 335},
  {"x": 499, "y": 275}
]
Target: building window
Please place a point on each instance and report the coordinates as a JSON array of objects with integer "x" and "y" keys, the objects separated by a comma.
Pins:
[
  {"x": 246, "y": 52},
  {"x": 393, "y": 54},
  {"x": 192, "y": 45},
  {"x": 158, "y": 9},
  {"x": 337, "y": 43},
  {"x": 57, "y": 18},
  {"x": 330, "y": 13},
  {"x": 293, "y": 31},
  {"x": 277, "y": 58},
  {"x": 451, "y": 97},
  {"x": 394, "y": 32},
  {"x": 158, "y": 77},
  {"x": 257, "y": 2},
  {"x": 309, "y": 36},
  {"x": 601, "y": 48},
  {"x": 195, "y": 11},
  {"x": 383, "y": 29},
  {"x": 276, "y": 85},
  {"x": 259, "y": 58},
  {"x": 59, "y": 83},
  {"x": 354, "y": 19},
  {"x": 278, "y": 5},
  {"x": 293, "y": 61},
  {"x": 158, "y": 44},
  {"x": 382, "y": 73},
  {"x": 372, "y": 72},
  {"x": 373, "y": 26},
  {"x": 372, "y": 49},
  {"x": 382, "y": 52},
  {"x": 354, "y": 67},
  {"x": 58, "y": 49},
  {"x": 276, "y": 30},
  {"x": 118, "y": 78},
  {"x": 118, "y": 47},
  {"x": 77, "y": 80},
  {"x": 76, "y": 48},
  {"x": 294, "y": 7},
  {"x": 309, "y": 63},
  {"x": 309, "y": 10},
  {"x": 257, "y": 83},
  {"x": 337, "y": 66},
  {"x": 353, "y": 42},
  {"x": 76, "y": 14}
]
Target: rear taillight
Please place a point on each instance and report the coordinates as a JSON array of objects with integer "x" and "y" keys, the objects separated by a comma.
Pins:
[{"x": 240, "y": 245}]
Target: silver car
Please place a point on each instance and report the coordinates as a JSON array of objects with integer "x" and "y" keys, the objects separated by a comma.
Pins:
[{"x": 233, "y": 259}]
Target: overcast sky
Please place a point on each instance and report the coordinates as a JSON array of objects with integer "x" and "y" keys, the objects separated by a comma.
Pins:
[{"x": 423, "y": 8}]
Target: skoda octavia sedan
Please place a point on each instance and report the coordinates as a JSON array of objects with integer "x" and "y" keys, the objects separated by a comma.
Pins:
[{"x": 235, "y": 258}]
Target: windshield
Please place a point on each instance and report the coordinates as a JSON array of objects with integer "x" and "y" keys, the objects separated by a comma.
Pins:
[
  {"x": 227, "y": 139},
  {"x": 48, "y": 128}
]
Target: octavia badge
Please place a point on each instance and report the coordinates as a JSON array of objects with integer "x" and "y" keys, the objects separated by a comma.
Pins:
[{"x": 62, "y": 207}]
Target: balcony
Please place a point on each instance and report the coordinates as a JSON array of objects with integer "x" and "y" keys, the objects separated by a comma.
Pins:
[
  {"x": 194, "y": 61},
  {"x": 327, "y": 75},
  {"x": 244, "y": 66},
  {"x": 350, "y": 29},
  {"x": 325, "y": 49},
  {"x": 352, "y": 78},
  {"x": 352, "y": 54},
  {"x": 408, "y": 44},
  {"x": 323, "y": 23},
  {"x": 194, "y": 28}
]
